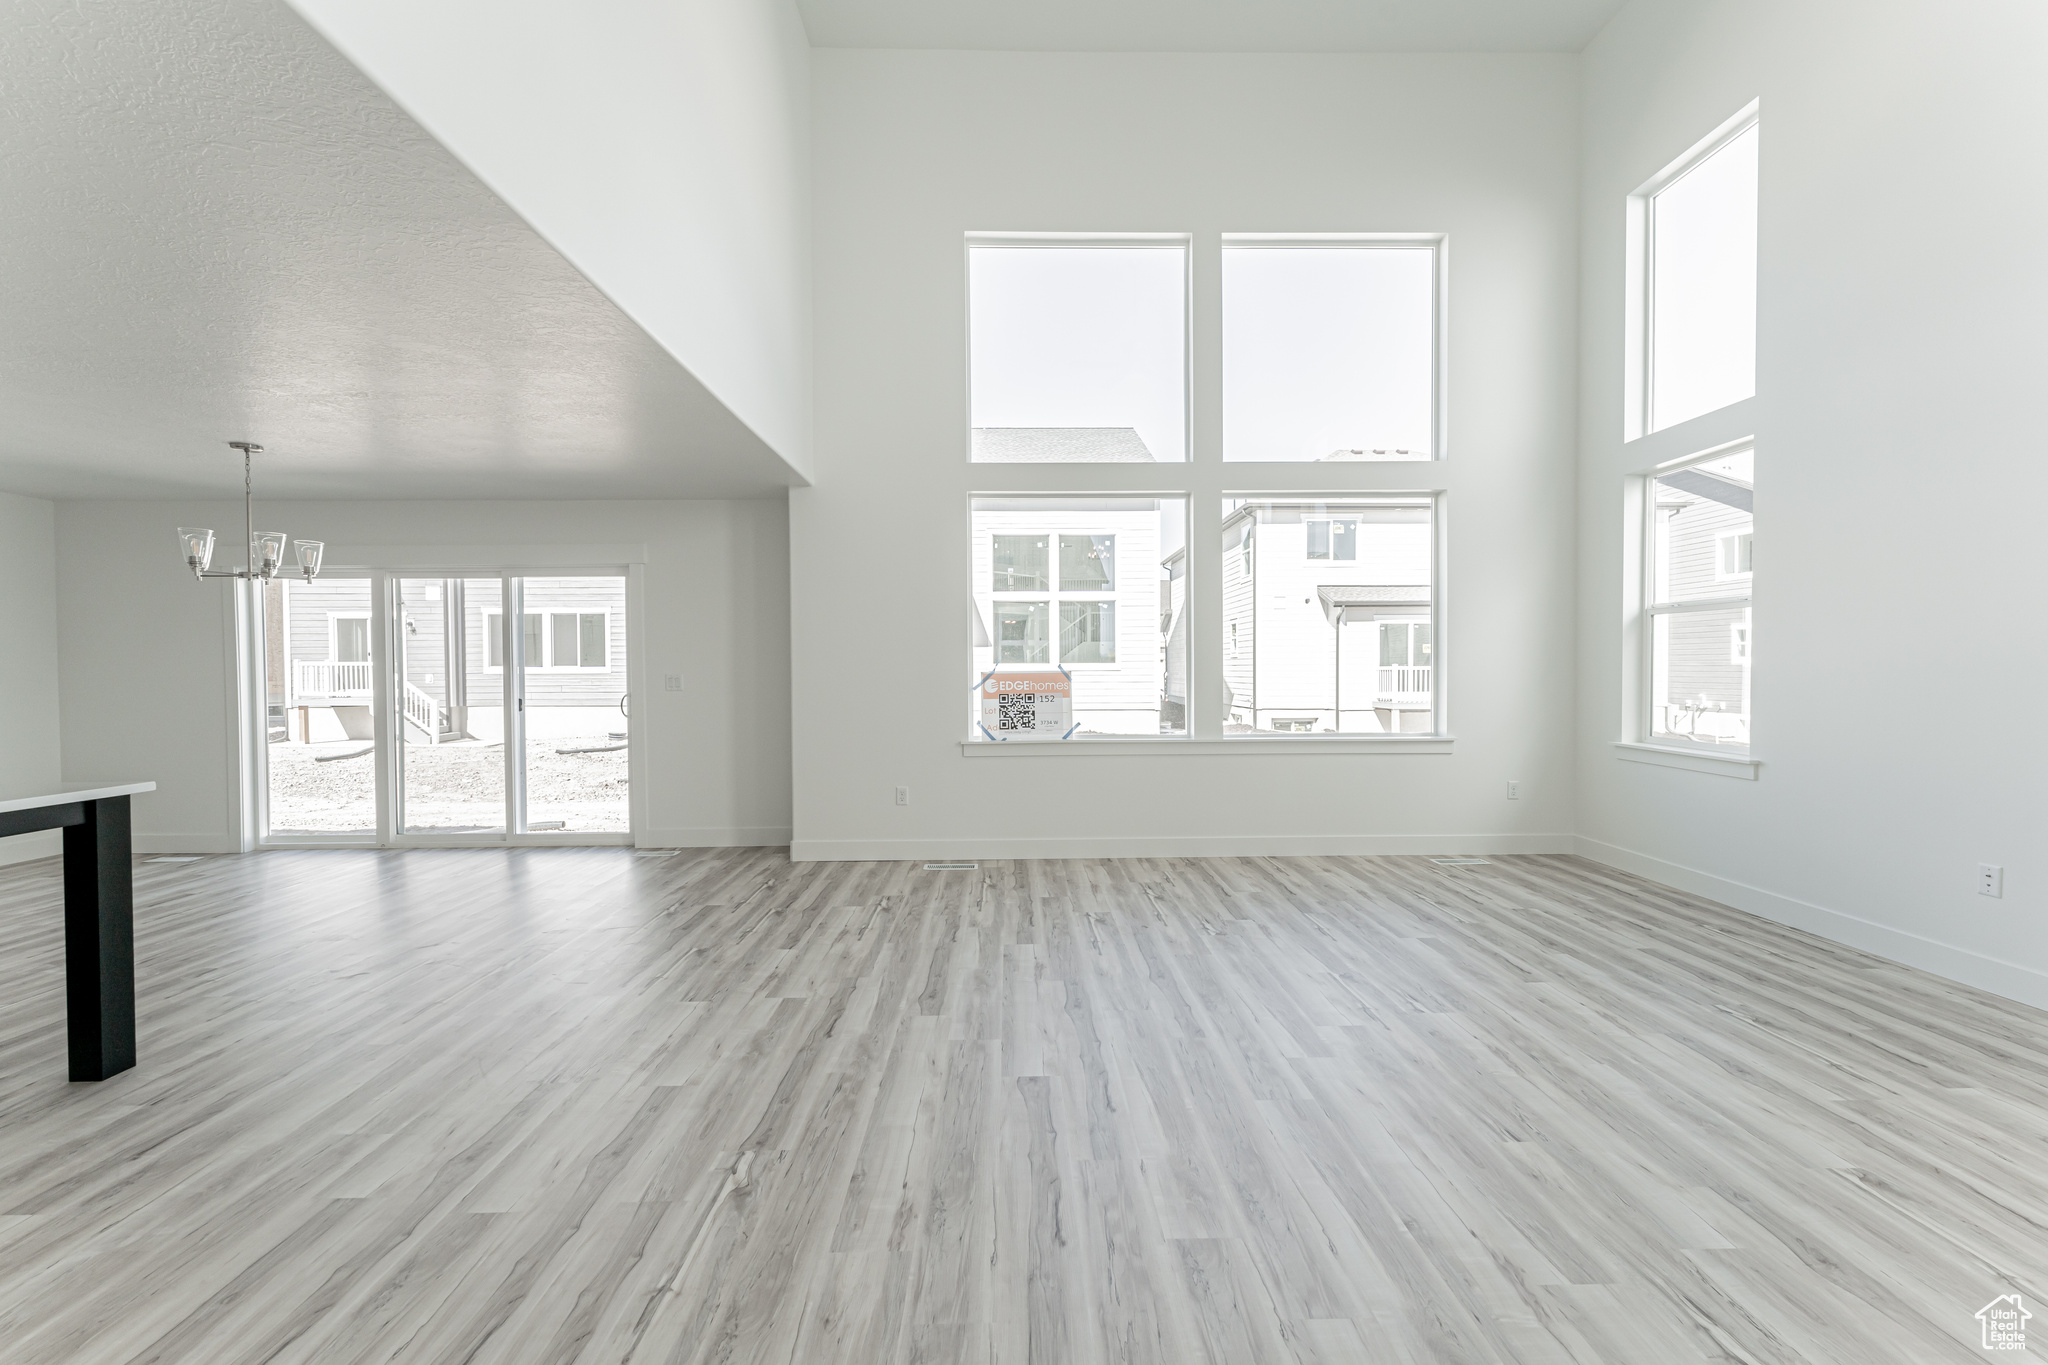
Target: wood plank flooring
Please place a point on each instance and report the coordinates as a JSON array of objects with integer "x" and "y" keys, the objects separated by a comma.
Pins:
[{"x": 584, "y": 1105}]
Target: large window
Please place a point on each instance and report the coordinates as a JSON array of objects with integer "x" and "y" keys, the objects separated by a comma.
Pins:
[
  {"x": 1329, "y": 616},
  {"x": 1698, "y": 546},
  {"x": 1077, "y": 350},
  {"x": 1329, "y": 348},
  {"x": 1695, "y": 300},
  {"x": 1086, "y": 588}
]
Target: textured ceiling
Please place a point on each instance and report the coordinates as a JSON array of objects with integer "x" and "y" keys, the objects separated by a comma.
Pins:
[
  {"x": 1211, "y": 25},
  {"x": 212, "y": 227}
]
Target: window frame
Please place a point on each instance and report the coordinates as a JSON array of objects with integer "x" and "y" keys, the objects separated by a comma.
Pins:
[
  {"x": 1639, "y": 363},
  {"x": 1055, "y": 241},
  {"x": 1201, "y": 482},
  {"x": 1437, "y": 503},
  {"x": 1641, "y": 686},
  {"x": 1438, "y": 244}
]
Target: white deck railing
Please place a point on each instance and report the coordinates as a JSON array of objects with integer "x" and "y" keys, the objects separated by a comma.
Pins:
[
  {"x": 349, "y": 684},
  {"x": 1411, "y": 680},
  {"x": 320, "y": 678},
  {"x": 423, "y": 711}
]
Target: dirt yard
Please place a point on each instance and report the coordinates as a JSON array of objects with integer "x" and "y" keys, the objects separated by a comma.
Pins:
[{"x": 448, "y": 787}]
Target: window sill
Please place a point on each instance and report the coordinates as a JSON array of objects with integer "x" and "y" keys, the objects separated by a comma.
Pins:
[
  {"x": 1740, "y": 766},
  {"x": 1247, "y": 744}
]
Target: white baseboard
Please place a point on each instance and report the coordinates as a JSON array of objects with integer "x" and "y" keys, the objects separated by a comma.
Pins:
[
  {"x": 1897, "y": 945},
  {"x": 26, "y": 848},
  {"x": 185, "y": 843},
  {"x": 714, "y": 836},
  {"x": 1170, "y": 846}
]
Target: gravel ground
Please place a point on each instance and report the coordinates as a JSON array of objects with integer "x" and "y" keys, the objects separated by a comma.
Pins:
[{"x": 448, "y": 787}]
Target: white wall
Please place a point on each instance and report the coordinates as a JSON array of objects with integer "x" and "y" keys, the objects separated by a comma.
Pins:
[
  {"x": 28, "y": 666},
  {"x": 147, "y": 666},
  {"x": 1900, "y": 477},
  {"x": 914, "y": 149},
  {"x": 660, "y": 145}
]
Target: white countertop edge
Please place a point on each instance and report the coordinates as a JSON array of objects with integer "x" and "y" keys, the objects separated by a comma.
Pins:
[{"x": 82, "y": 794}]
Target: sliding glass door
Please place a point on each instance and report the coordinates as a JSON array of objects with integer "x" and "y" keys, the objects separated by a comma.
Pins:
[
  {"x": 449, "y": 708},
  {"x": 574, "y": 640},
  {"x": 419, "y": 709},
  {"x": 318, "y": 734}
]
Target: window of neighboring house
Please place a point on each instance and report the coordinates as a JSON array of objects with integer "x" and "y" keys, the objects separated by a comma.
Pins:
[
  {"x": 1077, "y": 349},
  {"x": 1330, "y": 347},
  {"x": 532, "y": 645},
  {"x": 1088, "y": 632},
  {"x": 1733, "y": 556},
  {"x": 577, "y": 639},
  {"x": 1698, "y": 576},
  {"x": 351, "y": 643},
  {"x": 1694, "y": 268},
  {"x": 1332, "y": 540},
  {"x": 1330, "y": 623},
  {"x": 1050, "y": 594}
]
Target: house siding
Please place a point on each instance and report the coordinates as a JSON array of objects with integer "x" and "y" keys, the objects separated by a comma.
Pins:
[{"x": 1125, "y": 694}]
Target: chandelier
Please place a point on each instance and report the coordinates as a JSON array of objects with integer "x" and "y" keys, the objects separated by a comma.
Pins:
[{"x": 265, "y": 548}]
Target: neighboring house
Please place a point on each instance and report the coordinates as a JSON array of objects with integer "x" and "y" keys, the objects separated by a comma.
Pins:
[
  {"x": 1072, "y": 584},
  {"x": 1060, "y": 445},
  {"x": 1705, "y": 531},
  {"x": 452, "y": 686},
  {"x": 1326, "y": 618}
]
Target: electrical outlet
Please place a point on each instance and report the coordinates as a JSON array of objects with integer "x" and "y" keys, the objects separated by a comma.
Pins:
[
  {"x": 1514, "y": 791},
  {"x": 1990, "y": 879},
  {"x": 671, "y": 682},
  {"x": 903, "y": 796}
]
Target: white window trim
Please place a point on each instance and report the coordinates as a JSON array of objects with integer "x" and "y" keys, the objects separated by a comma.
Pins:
[
  {"x": 1638, "y": 731},
  {"x": 1640, "y": 254}
]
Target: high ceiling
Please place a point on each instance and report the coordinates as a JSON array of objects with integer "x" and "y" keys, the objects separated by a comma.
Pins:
[
  {"x": 1211, "y": 25},
  {"x": 212, "y": 227}
]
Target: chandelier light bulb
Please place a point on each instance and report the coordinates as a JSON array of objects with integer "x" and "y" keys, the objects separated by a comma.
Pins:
[{"x": 197, "y": 542}]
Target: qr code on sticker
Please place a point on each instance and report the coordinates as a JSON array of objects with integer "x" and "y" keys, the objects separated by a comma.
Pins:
[{"x": 1016, "y": 711}]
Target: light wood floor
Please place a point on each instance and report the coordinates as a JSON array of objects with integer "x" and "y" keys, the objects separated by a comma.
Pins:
[{"x": 556, "y": 1105}]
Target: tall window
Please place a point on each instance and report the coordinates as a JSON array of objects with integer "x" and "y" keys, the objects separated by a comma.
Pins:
[
  {"x": 1699, "y": 545},
  {"x": 1329, "y": 348},
  {"x": 1696, "y": 329},
  {"x": 1077, "y": 350},
  {"x": 1087, "y": 587}
]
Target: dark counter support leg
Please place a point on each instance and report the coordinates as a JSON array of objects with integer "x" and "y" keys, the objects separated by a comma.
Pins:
[{"x": 99, "y": 940}]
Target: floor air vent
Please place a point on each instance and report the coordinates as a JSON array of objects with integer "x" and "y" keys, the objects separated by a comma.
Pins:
[
  {"x": 1463, "y": 862},
  {"x": 951, "y": 867}
]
